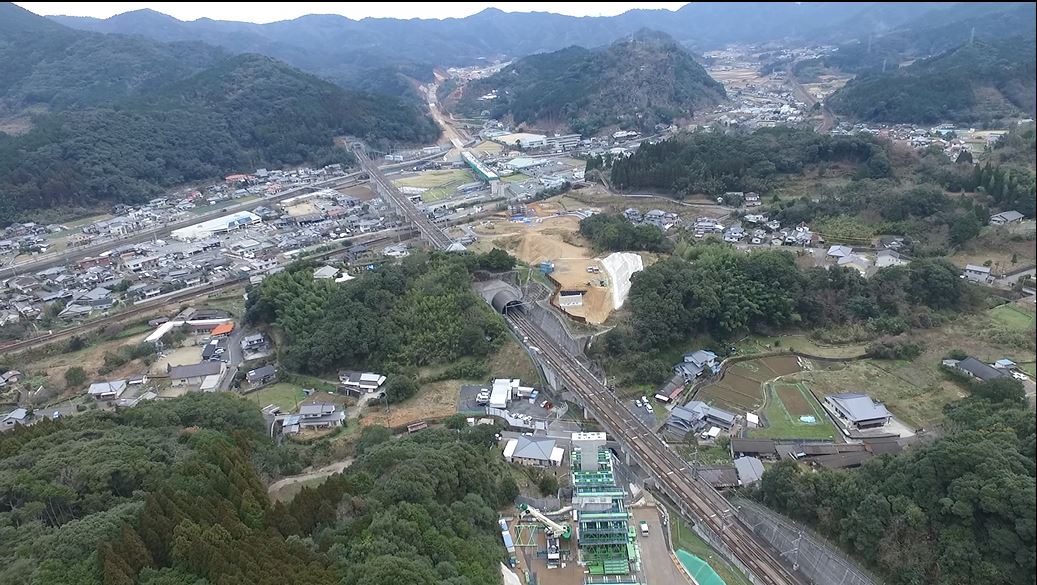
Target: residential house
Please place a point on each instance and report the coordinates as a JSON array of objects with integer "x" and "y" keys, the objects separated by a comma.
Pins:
[
  {"x": 695, "y": 415},
  {"x": 755, "y": 218},
  {"x": 887, "y": 258},
  {"x": 533, "y": 451},
  {"x": 838, "y": 251},
  {"x": 749, "y": 469},
  {"x": 107, "y": 390},
  {"x": 1006, "y": 217},
  {"x": 858, "y": 263},
  {"x": 633, "y": 215},
  {"x": 974, "y": 368},
  {"x": 320, "y": 415},
  {"x": 253, "y": 342},
  {"x": 15, "y": 418},
  {"x": 858, "y": 410},
  {"x": 203, "y": 375},
  {"x": 325, "y": 272},
  {"x": 980, "y": 274},
  {"x": 261, "y": 375},
  {"x": 10, "y": 377},
  {"x": 695, "y": 363},
  {"x": 361, "y": 381},
  {"x": 752, "y": 199},
  {"x": 734, "y": 234},
  {"x": 761, "y": 448}
]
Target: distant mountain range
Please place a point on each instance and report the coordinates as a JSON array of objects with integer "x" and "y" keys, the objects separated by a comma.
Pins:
[
  {"x": 981, "y": 82},
  {"x": 370, "y": 53},
  {"x": 93, "y": 118},
  {"x": 636, "y": 82}
]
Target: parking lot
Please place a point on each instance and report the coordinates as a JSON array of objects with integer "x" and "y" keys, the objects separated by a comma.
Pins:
[
  {"x": 642, "y": 413},
  {"x": 467, "y": 402}
]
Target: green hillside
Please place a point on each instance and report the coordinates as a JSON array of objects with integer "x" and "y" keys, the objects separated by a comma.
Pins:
[
  {"x": 106, "y": 118},
  {"x": 636, "y": 83},
  {"x": 983, "y": 81}
]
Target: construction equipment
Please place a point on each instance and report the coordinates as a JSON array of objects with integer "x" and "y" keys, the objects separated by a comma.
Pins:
[{"x": 551, "y": 528}]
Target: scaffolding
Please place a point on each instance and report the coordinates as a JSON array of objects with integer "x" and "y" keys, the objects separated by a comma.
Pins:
[{"x": 603, "y": 525}]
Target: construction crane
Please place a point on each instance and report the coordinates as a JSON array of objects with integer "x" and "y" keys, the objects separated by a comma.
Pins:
[{"x": 552, "y": 528}]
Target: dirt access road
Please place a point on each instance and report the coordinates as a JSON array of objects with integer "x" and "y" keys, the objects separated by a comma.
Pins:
[{"x": 318, "y": 473}]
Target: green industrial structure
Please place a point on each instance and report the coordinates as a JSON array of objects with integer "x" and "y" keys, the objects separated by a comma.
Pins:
[{"x": 603, "y": 523}]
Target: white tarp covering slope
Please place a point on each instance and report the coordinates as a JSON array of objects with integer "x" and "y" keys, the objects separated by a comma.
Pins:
[{"x": 620, "y": 266}]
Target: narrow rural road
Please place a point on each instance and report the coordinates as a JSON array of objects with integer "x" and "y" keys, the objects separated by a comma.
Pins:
[{"x": 318, "y": 473}]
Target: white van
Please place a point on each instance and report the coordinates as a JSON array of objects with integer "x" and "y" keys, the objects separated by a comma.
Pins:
[{"x": 644, "y": 528}]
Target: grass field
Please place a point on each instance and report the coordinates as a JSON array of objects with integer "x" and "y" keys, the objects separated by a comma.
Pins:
[
  {"x": 684, "y": 537},
  {"x": 1013, "y": 317},
  {"x": 800, "y": 343},
  {"x": 284, "y": 395},
  {"x": 440, "y": 184},
  {"x": 786, "y": 402}
]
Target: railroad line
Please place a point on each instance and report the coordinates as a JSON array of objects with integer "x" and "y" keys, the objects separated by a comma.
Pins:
[
  {"x": 429, "y": 230},
  {"x": 668, "y": 469}
]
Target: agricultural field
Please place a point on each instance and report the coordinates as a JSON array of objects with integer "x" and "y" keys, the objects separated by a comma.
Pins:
[
  {"x": 441, "y": 184},
  {"x": 1014, "y": 317},
  {"x": 918, "y": 405},
  {"x": 282, "y": 394},
  {"x": 741, "y": 387},
  {"x": 791, "y": 412}
]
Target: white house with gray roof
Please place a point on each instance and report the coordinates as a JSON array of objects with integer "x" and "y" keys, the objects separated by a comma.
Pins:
[
  {"x": 532, "y": 451},
  {"x": 859, "y": 410}
]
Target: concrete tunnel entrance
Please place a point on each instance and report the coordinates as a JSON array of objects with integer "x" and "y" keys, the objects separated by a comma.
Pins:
[{"x": 506, "y": 300}]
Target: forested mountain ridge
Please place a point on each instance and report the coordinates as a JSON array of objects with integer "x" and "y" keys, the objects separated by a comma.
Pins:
[
  {"x": 174, "y": 492},
  {"x": 129, "y": 116},
  {"x": 980, "y": 81},
  {"x": 636, "y": 82}
]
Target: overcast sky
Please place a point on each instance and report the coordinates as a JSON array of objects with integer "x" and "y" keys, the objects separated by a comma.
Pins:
[{"x": 274, "y": 11}]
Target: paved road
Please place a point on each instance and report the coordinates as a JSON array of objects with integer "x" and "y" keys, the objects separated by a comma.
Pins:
[
  {"x": 234, "y": 357},
  {"x": 656, "y": 564}
]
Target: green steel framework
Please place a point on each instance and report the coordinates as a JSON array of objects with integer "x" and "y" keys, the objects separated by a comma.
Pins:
[{"x": 604, "y": 535}]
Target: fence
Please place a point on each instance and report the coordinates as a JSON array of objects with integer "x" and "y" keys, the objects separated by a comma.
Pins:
[{"x": 808, "y": 552}]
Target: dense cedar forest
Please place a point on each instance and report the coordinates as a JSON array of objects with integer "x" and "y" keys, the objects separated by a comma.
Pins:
[
  {"x": 118, "y": 119},
  {"x": 636, "y": 83},
  {"x": 956, "y": 511},
  {"x": 171, "y": 493},
  {"x": 615, "y": 233},
  {"x": 713, "y": 163},
  {"x": 717, "y": 291},
  {"x": 418, "y": 312},
  {"x": 956, "y": 86}
]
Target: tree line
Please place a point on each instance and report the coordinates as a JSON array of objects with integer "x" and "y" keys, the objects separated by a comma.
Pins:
[
  {"x": 717, "y": 291},
  {"x": 400, "y": 316},
  {"x": 717, "y": 162},
  {"x": 615, "y": 233}
]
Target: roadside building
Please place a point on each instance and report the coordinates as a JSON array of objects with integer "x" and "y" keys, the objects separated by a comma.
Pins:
[
  {"x": 320, "y": 415},
  {"x": 15, "y": 418},
  {"x": 979, "y": 274}
]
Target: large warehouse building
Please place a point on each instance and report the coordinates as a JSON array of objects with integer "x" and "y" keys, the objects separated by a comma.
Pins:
[{"x": 215, "y": 227}]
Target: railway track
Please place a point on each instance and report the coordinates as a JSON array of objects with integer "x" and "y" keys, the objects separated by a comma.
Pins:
[
  {"x": 429, "y": 230},
  {"x": 668, "y": 469}
]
